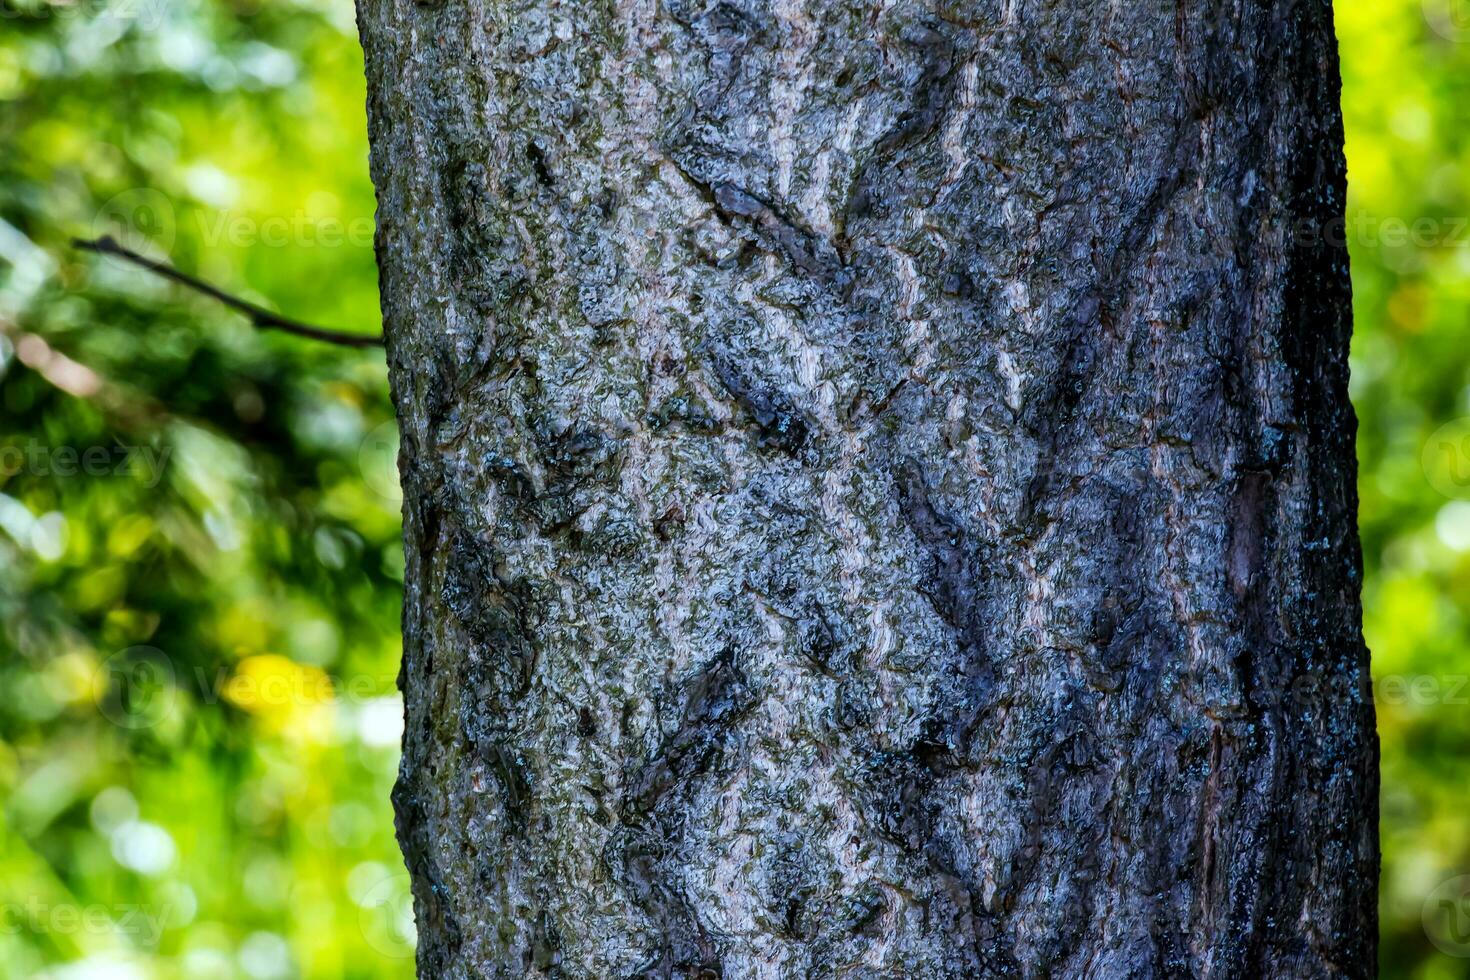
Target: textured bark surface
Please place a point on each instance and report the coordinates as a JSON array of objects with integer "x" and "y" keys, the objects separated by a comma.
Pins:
[{"x": 879, "y": 488}]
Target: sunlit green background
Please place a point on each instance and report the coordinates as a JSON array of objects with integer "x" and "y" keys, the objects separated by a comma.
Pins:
[
  {"x": 199, "y": 557},
  {"x": 198, "y": 716}
]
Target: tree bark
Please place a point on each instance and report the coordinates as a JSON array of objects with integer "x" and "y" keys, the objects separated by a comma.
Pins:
[{"x": 879, "y": 488}]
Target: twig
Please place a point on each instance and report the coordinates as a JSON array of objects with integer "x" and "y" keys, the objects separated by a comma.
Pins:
[{"x": 261, "y": 318}]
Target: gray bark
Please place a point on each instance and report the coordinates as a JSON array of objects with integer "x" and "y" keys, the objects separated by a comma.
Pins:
[{"x": 879, "y": 488}]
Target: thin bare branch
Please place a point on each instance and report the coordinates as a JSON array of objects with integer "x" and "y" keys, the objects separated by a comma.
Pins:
[{"x": 261, "y": 318}]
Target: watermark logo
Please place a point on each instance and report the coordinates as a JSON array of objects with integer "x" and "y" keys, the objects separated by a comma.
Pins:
[
  {"x": 386, "y": 916},
  {"x": 135, "y": 688},
  {"x": 1450, "y": 19},
  {"x": 149, "y": 15},
  {"x": 298, "y": 230},
  {"x": 377, "y": 458},
  {"x": 145, "y": 220},
  {"x": 1447, "y": 916},
  {"x": 1446, "y": 459},
  {"x": 39, "y": 459},
  {"x": 1363, "y": 228},
  {"x": 144, "y": 924},
  {"x": 141, "y": 687},
  {"x": 141, "y": 219}
]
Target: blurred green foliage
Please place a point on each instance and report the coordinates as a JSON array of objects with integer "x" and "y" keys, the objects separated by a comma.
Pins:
[
  {"x": 200, "y": 565},
  {"x": 199, "y": 558},
  {"x": 1406, "y": 66}
]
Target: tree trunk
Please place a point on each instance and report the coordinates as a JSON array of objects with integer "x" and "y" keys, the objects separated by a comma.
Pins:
[{"x": 879, "y": 488}]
